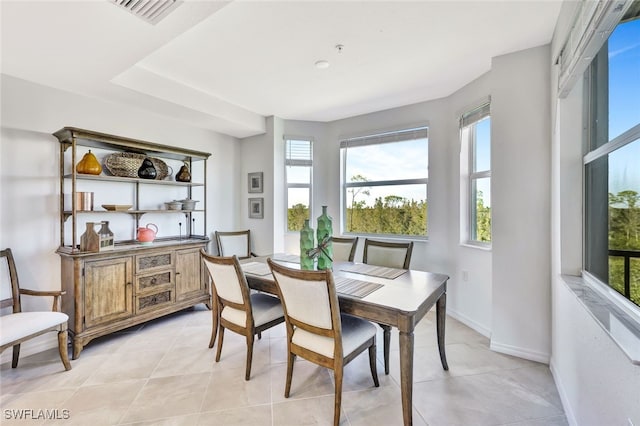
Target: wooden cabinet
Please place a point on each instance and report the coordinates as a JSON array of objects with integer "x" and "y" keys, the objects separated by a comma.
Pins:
[{"x": 131, "y": 283}]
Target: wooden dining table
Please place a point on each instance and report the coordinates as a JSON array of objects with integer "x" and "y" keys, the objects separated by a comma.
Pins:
[{"x": 387, "y": 296}]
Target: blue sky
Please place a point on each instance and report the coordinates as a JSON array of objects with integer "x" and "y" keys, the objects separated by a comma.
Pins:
[{"x": 624, "y": 104}]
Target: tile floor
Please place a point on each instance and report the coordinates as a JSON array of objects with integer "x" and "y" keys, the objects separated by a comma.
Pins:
[{"x": 163, "y": 373}]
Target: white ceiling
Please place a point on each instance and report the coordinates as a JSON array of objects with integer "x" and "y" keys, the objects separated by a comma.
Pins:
[{"x": 227, "y": 65}]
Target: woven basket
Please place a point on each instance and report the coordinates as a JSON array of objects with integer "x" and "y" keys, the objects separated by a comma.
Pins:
[{"x": 126, "y": 164}]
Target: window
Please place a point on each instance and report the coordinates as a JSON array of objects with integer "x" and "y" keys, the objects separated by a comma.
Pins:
[
  {"x": 612, "y": 163},
  {"x": 475, "y": 137},
  {"x": 385, "y": 183},
  {"x": 298, "y": 175}
]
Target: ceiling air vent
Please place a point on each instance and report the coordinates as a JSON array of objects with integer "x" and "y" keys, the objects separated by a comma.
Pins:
[{"x": 151, "y": 11}]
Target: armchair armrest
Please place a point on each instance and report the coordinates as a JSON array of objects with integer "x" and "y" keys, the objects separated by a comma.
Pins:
[{"x": 56, "y": 294}]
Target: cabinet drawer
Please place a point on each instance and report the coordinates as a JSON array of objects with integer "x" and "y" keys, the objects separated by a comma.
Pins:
[
  {"x": 154, "y": 281},
  {"x": 153, "y": 301},
  {"x": 147, "y": 263}
]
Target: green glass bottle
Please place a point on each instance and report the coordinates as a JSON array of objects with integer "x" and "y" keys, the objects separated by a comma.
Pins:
[
  {"x": 324, "y": 234},
  {"x": 307, "y": 242}
]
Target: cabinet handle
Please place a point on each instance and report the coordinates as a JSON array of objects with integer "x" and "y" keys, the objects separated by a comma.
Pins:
[
  {"x": 154, "y": 280},
  {"x": 177, "y": 273}
]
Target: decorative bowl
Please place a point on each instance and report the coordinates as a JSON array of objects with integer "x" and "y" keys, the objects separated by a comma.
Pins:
[
  {"x": 188, "y": 204},
  {"x": 174, "y": 205}
]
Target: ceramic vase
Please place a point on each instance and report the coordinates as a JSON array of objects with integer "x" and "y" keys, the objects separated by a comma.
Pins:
[
  {"x": 324, "y": 234},
  {"x": 306, "y": 244},
  {"x": 147, "y": 170},
  {"x": 90, "y": 240}
]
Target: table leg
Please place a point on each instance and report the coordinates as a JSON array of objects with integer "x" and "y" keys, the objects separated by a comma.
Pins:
[
  {"x": 406, "y": 376},
  {"x": 441, "y": 313}
]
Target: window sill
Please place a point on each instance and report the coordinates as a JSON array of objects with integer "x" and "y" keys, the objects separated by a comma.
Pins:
[
  {"x": 622, "y": 327},
  {"x": 482, "y": 247}
]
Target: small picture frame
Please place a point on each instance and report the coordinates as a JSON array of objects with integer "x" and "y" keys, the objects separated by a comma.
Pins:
[
  {"x": 255, "y": 182},
  {"x": 256, "y": 208}
]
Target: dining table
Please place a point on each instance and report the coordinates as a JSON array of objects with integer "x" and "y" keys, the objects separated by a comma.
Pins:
[{"x": 391, "y": 297}]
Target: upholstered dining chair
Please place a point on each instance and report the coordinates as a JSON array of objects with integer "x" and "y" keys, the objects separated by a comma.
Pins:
[
  {"x": 393, "y": 255},
  {"x": 344, "y": 249},
  {"x": 316, "y": 331},
  {"x": 235, "y": 307},
  {"x": 236, "y": 243},
  {"x": 17, "y": 327},
  {"x": 390, "y": 254}
]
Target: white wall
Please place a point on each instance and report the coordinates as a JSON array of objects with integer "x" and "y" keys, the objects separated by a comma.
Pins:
[
  {"x": 520, "y": 198},
  {"x": 29, "y": 187}
]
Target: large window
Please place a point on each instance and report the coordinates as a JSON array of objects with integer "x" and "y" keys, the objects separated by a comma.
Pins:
[
  {"x": 299, "y": 174},
  {"x": 612, "y": 163},
  {"x": 385, "y": 183},
  {"x": 475, "y": 137}
]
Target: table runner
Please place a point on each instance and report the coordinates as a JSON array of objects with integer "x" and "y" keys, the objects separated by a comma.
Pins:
[
  {"x": 355, "y": 288},
  {"x": 374, "y": 270}
]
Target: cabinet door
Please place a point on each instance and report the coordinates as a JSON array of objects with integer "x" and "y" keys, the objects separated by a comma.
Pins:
[
  {"x": 108, "y": 290},
  {"x": 188, "y": 274}
]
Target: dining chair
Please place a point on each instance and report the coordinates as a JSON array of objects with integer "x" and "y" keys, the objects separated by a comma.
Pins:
[
  {"x": 392, "y": 255},
  {"x": 235, "y": 307},
  {"x": 236, "y": 243},
  {"x": 344, "y": 249},
  {"x": 17, "y": 327},
  {"x": 316, "y": 331}
]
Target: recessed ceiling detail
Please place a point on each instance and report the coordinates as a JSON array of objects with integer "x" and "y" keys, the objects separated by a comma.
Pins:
[{"x": 151, "y": 11}]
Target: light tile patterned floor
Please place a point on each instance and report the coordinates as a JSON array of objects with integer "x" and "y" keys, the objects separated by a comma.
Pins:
[{"x": 163, "y": 373}]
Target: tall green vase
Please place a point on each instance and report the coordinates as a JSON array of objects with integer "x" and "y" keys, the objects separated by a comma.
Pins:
[
  {"x": 306, "y": 244},
  {"x": 324, "y": 233}
]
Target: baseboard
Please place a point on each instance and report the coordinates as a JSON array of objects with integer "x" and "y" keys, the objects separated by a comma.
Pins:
[
  {"x": 469, "y": 322},
  {"x": 520, "y": 352},
  {"x": 564, "y": 399},
  {"x": 31, "y": 347}
]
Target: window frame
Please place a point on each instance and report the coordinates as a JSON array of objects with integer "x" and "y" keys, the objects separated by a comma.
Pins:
[
  {"x": 381, "y": 137},
  {"x": 468, "y": 122},
  {"x": 297, "y": 163},
  {"x": 596, "y": 146}
]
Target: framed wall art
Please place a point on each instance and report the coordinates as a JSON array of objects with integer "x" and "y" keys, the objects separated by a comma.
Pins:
[
  {"x": 255, "y": 182},
  {"x": 256, "y": 208}
]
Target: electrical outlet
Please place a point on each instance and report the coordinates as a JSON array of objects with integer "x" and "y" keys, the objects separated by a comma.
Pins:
[{"x": 465, "y": 275}]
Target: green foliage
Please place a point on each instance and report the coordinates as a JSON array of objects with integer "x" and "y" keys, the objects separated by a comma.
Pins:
[
  {"x": 393, "y": 215},
  {"x": 296, "y": 216},
  {"x": 483, "y": 220},
  {"x": 624, "y": 234}
]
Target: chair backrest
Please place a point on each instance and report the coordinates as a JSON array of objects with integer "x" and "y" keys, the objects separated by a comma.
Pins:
[
  {"x": 310, "y": 304},
  {"x": 9, "y": 285},
  {"x": 234, "y": 243},
  {"x": 229, "y": 283},
  {"x": 390, "y": 254},
  {"x": 344, "y": 249}
]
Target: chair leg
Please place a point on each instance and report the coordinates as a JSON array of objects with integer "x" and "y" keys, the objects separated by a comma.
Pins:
[
  {"x": 220, "y": 340},
  {"x": 373, "y": 365},
  {"x": 16, "y": 354},
  {"x": 338, "y": 398},
  {"x": 62, "y": 348},
  {"x": 386, "y": 334},
  {"x": 290, "y": 361},
  {"x": 214, "y": 326},
  {"x": 247, "y": 374}
]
